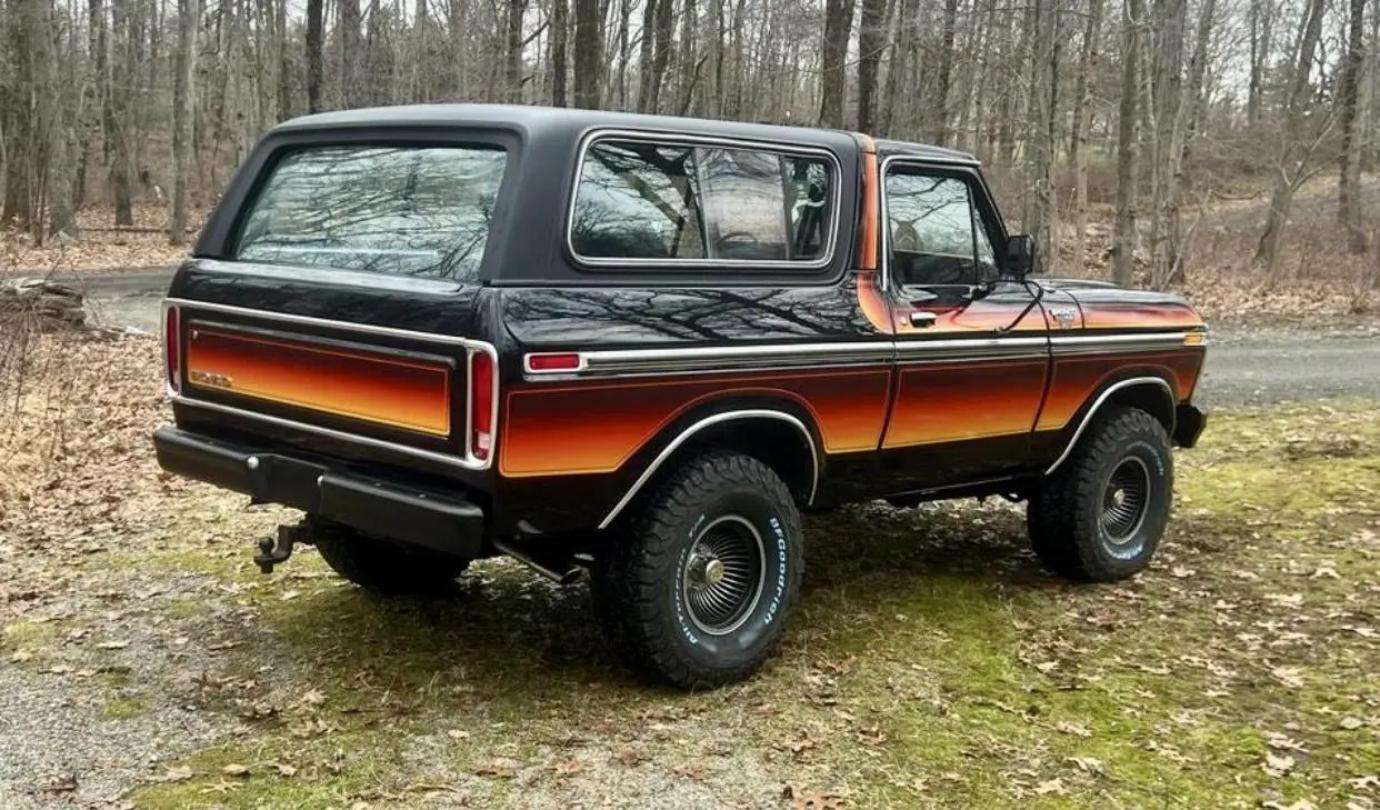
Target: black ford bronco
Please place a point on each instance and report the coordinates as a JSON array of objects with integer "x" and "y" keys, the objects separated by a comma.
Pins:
[{"x": 641, "y": 346}]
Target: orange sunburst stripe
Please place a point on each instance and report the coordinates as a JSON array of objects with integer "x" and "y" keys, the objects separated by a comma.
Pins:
[{"x": 414, "y": 395}]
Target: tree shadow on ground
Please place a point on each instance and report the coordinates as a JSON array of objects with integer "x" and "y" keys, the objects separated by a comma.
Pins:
[{"x": 503, "y": 632}]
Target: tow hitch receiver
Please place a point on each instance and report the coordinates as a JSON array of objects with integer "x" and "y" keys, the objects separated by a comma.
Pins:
[{"x": 274, "y": 551}]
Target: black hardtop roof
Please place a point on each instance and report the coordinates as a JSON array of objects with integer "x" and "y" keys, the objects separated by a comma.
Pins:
[
  {"x": 557, "y": 121},
  {"x": 886, "y": 147}
]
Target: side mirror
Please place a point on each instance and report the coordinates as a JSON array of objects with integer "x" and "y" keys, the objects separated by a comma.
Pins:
[{"x": 1022, "y": 256}]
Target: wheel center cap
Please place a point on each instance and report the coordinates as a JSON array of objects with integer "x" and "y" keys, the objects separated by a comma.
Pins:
[
  {"x": 1119, "y": 497},
  {"x": 713, "y": 572}
]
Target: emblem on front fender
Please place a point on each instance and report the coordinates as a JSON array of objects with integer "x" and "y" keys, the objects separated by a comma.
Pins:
[{"x": 1064, "y": 316}]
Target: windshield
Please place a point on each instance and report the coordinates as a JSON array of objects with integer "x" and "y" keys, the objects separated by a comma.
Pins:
[{"x": 416, "y": 211}]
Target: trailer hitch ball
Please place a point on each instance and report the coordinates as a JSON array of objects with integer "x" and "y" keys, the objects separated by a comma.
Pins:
[{"x": 276, "y": 550}]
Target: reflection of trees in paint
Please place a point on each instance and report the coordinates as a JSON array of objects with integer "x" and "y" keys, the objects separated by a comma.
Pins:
[{"x": 630, "y": 315}]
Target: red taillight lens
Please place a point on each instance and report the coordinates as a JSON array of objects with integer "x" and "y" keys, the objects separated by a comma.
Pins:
[
  {"x": 481, "y": 405},
  {"x": 565, "y": 361},
  {"x": 172, "y": 351}
]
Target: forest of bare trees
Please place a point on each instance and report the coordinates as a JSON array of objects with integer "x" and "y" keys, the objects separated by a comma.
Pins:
[{"x": 1147, "y": 107}]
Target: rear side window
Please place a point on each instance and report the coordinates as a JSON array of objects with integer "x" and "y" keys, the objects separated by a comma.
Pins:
[
  {"x": 644, "y": 202},
  {"x": 416, "y": 211}
]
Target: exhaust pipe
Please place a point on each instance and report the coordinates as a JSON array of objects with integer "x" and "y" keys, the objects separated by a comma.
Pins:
[{"x": 560, "y": 569}]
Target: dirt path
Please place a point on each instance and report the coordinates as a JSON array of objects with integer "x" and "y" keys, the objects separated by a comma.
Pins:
[{"x": 1259, "y": 366}]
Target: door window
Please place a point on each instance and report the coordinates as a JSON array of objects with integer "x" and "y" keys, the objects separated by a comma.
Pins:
[{"x": 935, "y": 235}]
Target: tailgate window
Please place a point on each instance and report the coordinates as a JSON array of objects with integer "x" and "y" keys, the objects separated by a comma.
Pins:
[{"x": 416, "y": 211}]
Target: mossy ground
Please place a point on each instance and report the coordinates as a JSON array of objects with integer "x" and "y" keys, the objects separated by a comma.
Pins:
[{"x": 932, "y": 662}]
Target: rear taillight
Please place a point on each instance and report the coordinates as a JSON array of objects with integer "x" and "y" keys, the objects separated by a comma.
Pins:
[
  {"x": 481, "y": 405},
  {"x": 172, "y": 351}
]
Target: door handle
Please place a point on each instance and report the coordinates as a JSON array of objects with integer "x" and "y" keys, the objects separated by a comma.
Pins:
[{"x": 922, "y": 320}]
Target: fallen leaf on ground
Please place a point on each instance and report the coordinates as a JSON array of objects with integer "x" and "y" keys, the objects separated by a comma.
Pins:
[{"x": 1278, "y": 764}]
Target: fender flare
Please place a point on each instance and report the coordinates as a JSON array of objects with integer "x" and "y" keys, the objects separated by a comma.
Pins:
[
  {"x": 689, "y": 432},
  {"x": 1102, "y": 399}
]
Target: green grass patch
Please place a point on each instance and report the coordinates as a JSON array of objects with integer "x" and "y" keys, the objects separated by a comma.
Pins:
[{"x": 932, "y": 663}]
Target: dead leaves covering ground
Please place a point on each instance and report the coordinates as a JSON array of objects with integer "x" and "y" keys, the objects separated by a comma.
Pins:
[{"x": 932, "y": 663}]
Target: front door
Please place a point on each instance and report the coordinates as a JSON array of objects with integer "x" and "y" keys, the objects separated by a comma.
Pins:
[{"x": 973, "y": 348}]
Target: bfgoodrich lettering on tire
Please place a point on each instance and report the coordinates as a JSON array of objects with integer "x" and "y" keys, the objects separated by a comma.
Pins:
[
  {"x": 697, "y": 587},
  {"x": 1101, "y": 515}
]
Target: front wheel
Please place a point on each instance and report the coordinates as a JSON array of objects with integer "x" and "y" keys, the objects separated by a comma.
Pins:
[
  {"x": 1101, "y": 515},
  {"x": 697, "y": 588}
]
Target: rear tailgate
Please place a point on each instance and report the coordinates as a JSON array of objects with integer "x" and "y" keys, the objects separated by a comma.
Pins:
[{"x": 363, "y": 392}]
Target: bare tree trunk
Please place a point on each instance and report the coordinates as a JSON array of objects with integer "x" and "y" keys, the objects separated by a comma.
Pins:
[
  {"x": 98, "y": 43},
  {"x": 284, "y": 66},
  {"x": 356, "y": 89},
  {"x": 689, "y": 69},
  {"x": 940, "y": 109},
  {"x": 624, "y": 13},
  {"x": 1176, "y": 248},
  {"x": 645, "y": 55},
  {"x": 1259, "y": 54},
  {"x": 1042, "y": 210},
  {"x": 589, "y": 61},
  {"x": 118, "y": 119},
  {"x": 896, "y": 70},
  {"x": 513, "y": 50},
  {"x": 1078, "y": 142},
  {"x": 1370, "y": 151},
  {"x": 1349, "y": 170},
  {"x": 838, "y": 24},
  {"x": 459, "y": 43},
  {"x": 1293, "y": 153},
  {"x": 717, "y": 55},
  {"x": 1128, "y": 143},
  {"x": 188, "y": 21},
  {"x": 661, "y": 56},
  {"x": 314, "y": 71},
  {"x": 1165, "y": 223},
  {"x": 871, "y": 42},
  {"x": 559, "y": 26}
]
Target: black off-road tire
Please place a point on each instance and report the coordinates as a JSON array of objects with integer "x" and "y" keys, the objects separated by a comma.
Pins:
[
  {"x": 645, "y": 584},
  {"x": 382, "y": 566},
  {"x": 1078, "y": 525}
]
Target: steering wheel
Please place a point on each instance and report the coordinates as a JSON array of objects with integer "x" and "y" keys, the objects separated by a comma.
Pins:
[{"x": 735, "y": 241}]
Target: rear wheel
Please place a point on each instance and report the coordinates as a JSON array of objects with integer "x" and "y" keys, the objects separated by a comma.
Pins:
[
  {"x": 383, "y": 566},
  {"x": 697, "y": 588},
  {"x": 1101, "y": 515}
]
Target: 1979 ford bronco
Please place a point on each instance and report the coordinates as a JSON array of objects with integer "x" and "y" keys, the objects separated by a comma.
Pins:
[{"x": 642, "y": 345}]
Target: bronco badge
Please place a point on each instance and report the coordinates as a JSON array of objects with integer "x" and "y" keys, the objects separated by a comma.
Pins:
[{"x": 211, "y": 379}]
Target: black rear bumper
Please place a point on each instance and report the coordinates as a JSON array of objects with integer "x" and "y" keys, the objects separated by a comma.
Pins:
[{"x": 375, "y": 506}]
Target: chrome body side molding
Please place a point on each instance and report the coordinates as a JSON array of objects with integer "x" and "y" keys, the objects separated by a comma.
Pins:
[
  {"x": 1103, "y": 397},
  {"x": 689, "y": 432},
  {"x": 638, "y": 362}
]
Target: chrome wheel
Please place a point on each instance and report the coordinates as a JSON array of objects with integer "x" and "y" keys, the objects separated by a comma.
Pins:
[
  {"x": 1124, "y": 503},
  {"x": 723, "y": 575}
]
